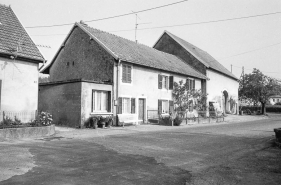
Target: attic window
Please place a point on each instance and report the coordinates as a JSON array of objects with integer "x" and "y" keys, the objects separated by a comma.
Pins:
[{"x": 67, "y": 64}]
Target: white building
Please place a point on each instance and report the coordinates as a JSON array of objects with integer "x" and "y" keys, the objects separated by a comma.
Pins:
[
  {"x": 222, "y": 86},
  {"x": 98, "y": 73},
  {"x": 19, "y": 62}
]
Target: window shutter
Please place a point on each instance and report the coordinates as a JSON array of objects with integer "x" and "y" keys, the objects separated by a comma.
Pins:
[
  {"x": 194, "y": 84},
  {"x": 119, "y": 105},
  {"x": 171, "y": 106},
  {"x": 129, "y": 73},
  {"x": 123, "y": 73},
  {"x": 109, "y": 101},
  {"x": 159, "y": 82},
  {"x": 0, "y": 92},
  {"x": 187, "y": 84},
  {"x": 159, "y": 106},
  {"x": 133, "y": 105},
  {"x": 171, "y": 82}
]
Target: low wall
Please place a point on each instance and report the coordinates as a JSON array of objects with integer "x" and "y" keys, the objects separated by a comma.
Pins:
[{"x": 27, "y": 132}]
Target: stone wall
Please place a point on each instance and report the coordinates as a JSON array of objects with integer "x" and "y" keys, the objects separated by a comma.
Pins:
[
  {"x": 63, "y": 101},
  {"x": 168, "y": 45},
  {"x": 82, "y": 58}
]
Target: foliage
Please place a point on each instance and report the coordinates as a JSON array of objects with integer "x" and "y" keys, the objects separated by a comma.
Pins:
[
  {"x": 93, "y": 121},
  {"x": 269, "y": 108},
  {"x": 165, "y": 120},
  {"x": 43, "y": 78},
  {"x": 257, "y": 87},
  {"x": 278, "y": 103},
  {"x": 184, "y": 98},
  {"x": 45, "y": 118},
  {"x": 9, "y": 122},
  {"x": 178, "y": 120}
]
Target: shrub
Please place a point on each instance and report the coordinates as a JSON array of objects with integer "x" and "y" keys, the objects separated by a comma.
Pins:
[
  {"x": 45, "y": 118},
  {"x": 269, "y": 108},
  {"x": 278, "y": 103},
  {"x": 178, "y": 120}
]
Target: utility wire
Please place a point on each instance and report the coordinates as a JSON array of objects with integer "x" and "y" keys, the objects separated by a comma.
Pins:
[
  {"x": 111, "y": 17},
  {"x": 252, "y": 69},
  {"x": 251, "y": 50},
  {"x": 177, "y": 25}
]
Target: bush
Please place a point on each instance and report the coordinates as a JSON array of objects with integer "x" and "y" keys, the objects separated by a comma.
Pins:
[
  {"x": 178, "y": 120},
  {"x": 269, "y": 108},
  {"x": 43, "y": 119},
  {"x": 167, "y": 120},
  {"x": 278, "y": 103}
]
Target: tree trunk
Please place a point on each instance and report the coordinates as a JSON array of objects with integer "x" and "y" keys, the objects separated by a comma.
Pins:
[{"x": 263, "y": 110}]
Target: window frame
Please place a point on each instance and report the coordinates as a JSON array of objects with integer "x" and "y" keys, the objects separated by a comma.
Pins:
[
  {"x": 164, "y": 82},
  {"x": 107, "y": 102}
]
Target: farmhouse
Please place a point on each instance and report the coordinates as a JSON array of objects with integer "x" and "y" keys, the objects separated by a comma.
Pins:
[
  {"x": 222, "y": 86},
  {"x": 98, "y": 73},
  {"x": 19, "y": 62}
]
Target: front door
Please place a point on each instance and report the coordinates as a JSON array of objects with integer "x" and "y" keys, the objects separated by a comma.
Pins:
[{"x": 141, "y": 110}]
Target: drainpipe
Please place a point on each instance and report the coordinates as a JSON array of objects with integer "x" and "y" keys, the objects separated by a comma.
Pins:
[{"x": 117, "y": 86}]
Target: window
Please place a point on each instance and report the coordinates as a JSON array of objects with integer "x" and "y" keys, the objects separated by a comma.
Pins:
[
  {"x": 126, "y": 105},
  {"x": 273, "y": 100},
  {"x": 126, "y": 73},
  {"x": 165, "y": 106},
  {"x": 101, "y": 101},
  {"x": 190, "y": 84},
  {"x": 165, "y": 82}
]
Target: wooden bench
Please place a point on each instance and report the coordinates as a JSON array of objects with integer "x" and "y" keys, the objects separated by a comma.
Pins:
[{"x": 128, "y": 118}]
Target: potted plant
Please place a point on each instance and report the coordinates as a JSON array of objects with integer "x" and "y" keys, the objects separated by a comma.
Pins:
[
  {"x": 102, "y": 122},
  {"x": 109, "y": 121},
  {"x": 95, "y": 122}
]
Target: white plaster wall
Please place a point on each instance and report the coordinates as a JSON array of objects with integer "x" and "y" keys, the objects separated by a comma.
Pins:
[
  {"x": 145, "y": 85},
  {"x": 86, "y": 98},
  {"x": 218, "y": 83},
  {"x": 19, "y": 90}
]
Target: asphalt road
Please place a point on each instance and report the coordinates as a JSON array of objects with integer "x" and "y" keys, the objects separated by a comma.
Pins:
[{"x": 237, "y": 153}]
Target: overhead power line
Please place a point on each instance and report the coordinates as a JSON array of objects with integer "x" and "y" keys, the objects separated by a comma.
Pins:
[
  {"x": 177, "y": 25},
  {"x": 111, "y": 17},
  {"x": 204, "y": 22},
  {"x": 251, "y": 50}
]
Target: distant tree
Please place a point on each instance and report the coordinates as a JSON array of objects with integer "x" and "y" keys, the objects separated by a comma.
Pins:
[
  {"x": 44, "y": 78},
  {"x": 257, "y": 88}
]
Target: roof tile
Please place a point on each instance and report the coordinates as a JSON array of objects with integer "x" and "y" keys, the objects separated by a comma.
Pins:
[
  {"x": 202, "y": 56},
  {"x": 13, "y": 36},
  {"x": 140, "y": 54}
]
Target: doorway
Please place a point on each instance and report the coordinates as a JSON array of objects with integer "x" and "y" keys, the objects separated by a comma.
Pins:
[{"x": 141, "y": 112}]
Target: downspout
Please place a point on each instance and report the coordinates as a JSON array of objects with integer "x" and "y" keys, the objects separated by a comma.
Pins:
[{"x": 117, "y": 87}]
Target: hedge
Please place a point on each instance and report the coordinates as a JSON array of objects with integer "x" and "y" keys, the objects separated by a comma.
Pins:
[{"x": 269, "y": 108}]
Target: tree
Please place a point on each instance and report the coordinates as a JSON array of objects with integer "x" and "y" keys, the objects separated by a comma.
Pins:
[
  {"x": 184, "y": 98},
  {"x": 257, "y": 88}
]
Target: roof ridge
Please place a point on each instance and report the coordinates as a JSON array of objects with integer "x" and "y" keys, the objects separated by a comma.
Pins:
[
  {"x": 8, "y": 6},
  {"x": 83, "y": 24}
]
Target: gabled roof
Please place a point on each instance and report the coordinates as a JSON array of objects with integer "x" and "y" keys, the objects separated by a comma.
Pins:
[
  {"x": 14, "y": 40},
  {"x": 129, "y": 51},
  {"x": 201, "y": 55}
]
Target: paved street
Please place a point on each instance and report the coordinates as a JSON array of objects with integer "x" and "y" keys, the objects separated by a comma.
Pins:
[{"x": 225, "y": 153}]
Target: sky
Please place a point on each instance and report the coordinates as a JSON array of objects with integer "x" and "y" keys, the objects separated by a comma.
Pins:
[{"x": 253, "y": 42}]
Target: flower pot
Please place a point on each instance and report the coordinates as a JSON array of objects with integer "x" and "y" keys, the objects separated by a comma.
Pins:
[{"x": 278, "y": 134}]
